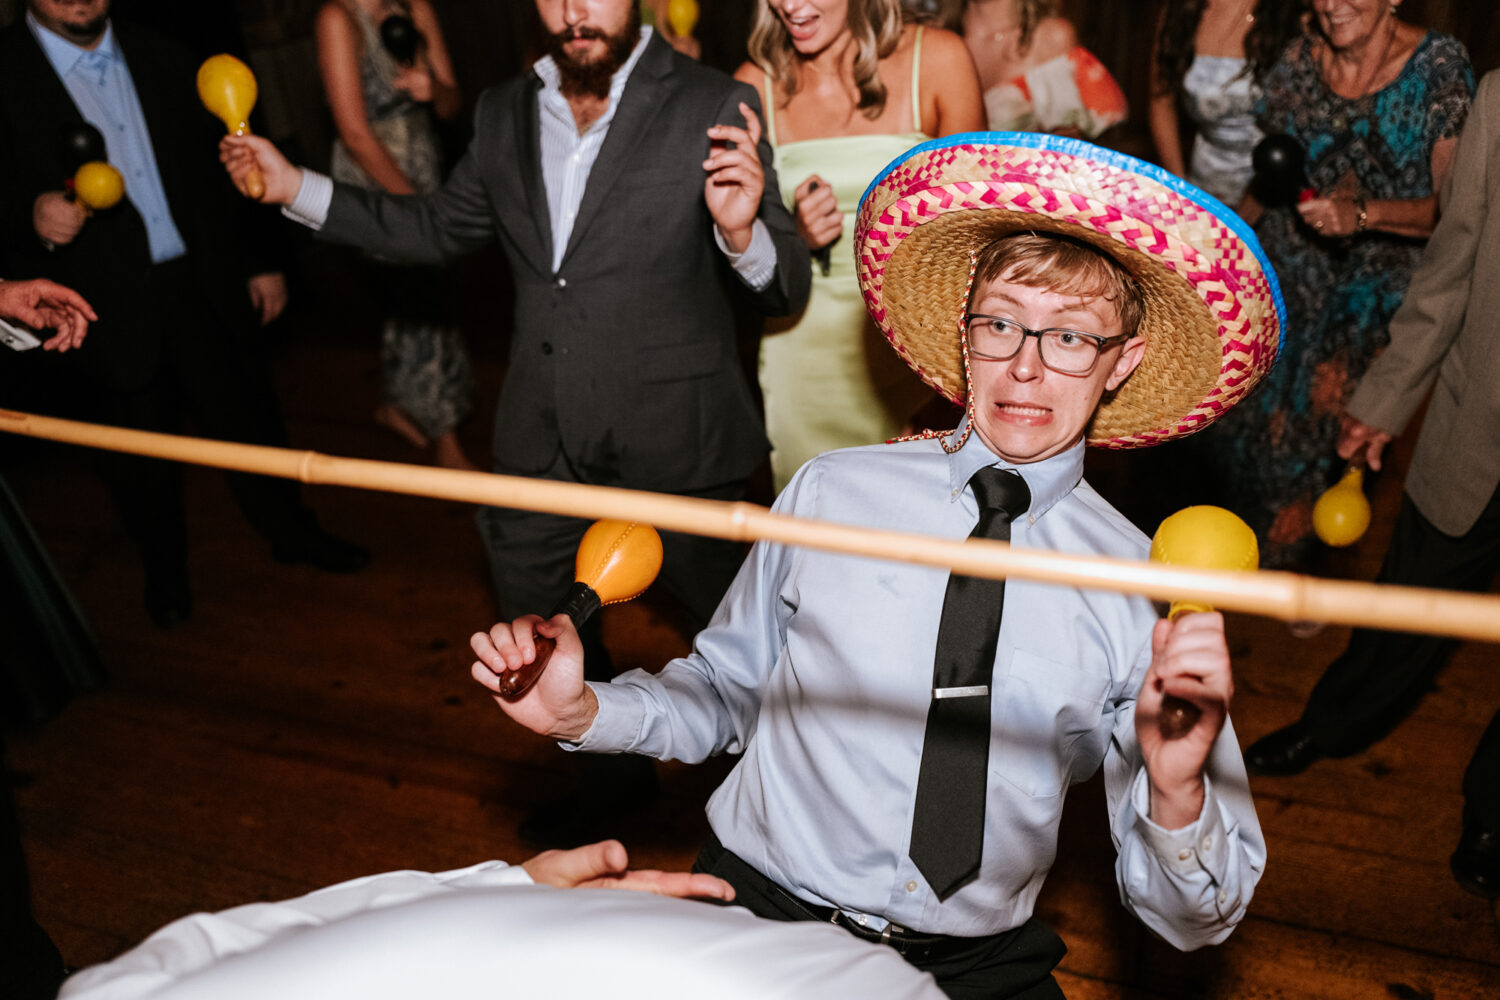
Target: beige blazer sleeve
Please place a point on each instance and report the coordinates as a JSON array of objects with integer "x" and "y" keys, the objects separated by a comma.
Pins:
[{"x": 1438, "y": 298}]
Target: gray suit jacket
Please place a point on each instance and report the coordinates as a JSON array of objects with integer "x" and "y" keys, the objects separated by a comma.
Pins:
[
  {"x": 1447, "y": 332},
  {"x": 626, "y": 357}
]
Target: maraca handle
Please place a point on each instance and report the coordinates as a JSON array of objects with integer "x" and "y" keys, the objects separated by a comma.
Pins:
[
  {"x": 580, "y": 604},
  {"x": 255, "y": 184},
  {"x": 1178, "y": 715}
]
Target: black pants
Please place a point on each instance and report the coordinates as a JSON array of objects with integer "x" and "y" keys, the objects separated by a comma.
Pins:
[
  {"x": 1382, "y": 676},
  {"x": 1014, "y": 965}
]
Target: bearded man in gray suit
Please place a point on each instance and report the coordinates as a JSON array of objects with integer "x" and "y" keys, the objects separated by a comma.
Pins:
[
  {"x": 633, "y": 196},
  {"x": 1445, "y": 339}
]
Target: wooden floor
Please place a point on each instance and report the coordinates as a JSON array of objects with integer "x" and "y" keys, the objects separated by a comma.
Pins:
[{"x": 302, "y": 729}]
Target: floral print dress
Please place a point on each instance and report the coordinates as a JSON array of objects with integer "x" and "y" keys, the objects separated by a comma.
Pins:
[{"x": 1275, "y": 452}]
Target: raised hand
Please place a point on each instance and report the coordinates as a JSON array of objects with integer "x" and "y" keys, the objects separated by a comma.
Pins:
[
  {"x": 605, "y": 865},
  {"x": 241, "y": 154},
  {"x": 1189, "y": 660},
  {"x": 559, "y": 704},
  {"x": 819, "y": 221},
  {"x": 735, "y": 180}
]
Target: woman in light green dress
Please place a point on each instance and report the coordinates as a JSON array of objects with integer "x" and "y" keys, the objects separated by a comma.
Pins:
[{"x": 847, "y": 87}]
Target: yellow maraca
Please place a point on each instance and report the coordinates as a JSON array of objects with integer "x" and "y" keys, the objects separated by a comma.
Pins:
[
  {"x": 1202, "y": 537},
  {"x": 1342, "y": 514},
  {"x": 617, "y": 560},
  {"x": 682, "y": 15},
  {"x": 227, "y": 88},
  {"x": 98, "y": 186}
]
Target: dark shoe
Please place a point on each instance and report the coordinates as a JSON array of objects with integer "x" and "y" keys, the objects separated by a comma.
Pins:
[
  {"x": 596, "y": 809},
  {"x": 1476, "y": 863},
  {"x": 319, "y": 549},
  {"x": 169, "y": 602},
  {"x": 1286, "y": 751}
]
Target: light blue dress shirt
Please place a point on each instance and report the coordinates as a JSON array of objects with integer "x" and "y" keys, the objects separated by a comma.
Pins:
[
  {"x": 99, "y": 82},
  {"x": 818, "y": 667}
]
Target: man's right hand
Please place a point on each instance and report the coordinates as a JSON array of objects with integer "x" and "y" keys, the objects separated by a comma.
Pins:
[
  {"x": 1356, "y": 436},
  {"x": 559, "y": 704},
  {"x": 242, "y": 153},
  {"x": 56, "y": 219}
]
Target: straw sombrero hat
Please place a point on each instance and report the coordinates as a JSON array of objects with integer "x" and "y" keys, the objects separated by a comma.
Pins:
[{"x": 1214, "y": 316}]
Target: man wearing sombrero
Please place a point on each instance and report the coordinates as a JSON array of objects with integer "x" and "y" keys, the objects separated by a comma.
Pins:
[{"x": 1063, "y": 294}]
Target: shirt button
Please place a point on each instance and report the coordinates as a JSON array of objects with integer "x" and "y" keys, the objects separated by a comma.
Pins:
[
  {"x": 1030, "y": 520},
  {"x": 546, "y": 347},
  {"x": 1184, "y": 854},
  {"x": 911, "y": 886},
  {"x": 863, "y": 920},
  {"x": 1208, "y": 842},
  {"x": 1223, "y": 896}
]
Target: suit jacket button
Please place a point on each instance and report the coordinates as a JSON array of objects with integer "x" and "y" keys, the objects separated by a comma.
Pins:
[
  {"x": 562, "y": 282},
  {"x": 546, "y": 347}
]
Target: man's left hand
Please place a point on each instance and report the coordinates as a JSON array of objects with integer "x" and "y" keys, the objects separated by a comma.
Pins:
[
  {"x": 268, "y": 295},
  {"x": 605, "y": 865},
  {"x": 735, "y": 179},
  {"x": 1189, "y": 660},
  {"x": 43, "y": 305}
]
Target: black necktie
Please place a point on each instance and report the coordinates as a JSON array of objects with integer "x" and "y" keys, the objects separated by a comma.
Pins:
[{"x": 947, "y": 832}]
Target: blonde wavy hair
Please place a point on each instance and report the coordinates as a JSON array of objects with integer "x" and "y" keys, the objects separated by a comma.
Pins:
[{"x": 876, "y": 26}]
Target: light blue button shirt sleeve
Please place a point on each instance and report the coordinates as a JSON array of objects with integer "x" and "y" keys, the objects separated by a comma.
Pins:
[
  {"x": 1191, "y": 886},
  {"x": 707, "y": 702}
]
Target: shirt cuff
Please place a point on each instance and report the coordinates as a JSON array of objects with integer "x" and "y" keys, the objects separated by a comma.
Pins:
[
  {"x": 1199, "y": 846},
  {"x": 617, "y": 724},
  {"x": 310, "y": 207},
  {"x": 756, "y": 266}
]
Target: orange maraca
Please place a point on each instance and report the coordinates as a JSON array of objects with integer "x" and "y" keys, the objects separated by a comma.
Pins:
[
  {"x": 1342, "y": 514},
  {"x": 227, "y": 88},
  {"x": 1203, "y": 537},
  {"x": 617, "y": 560}
]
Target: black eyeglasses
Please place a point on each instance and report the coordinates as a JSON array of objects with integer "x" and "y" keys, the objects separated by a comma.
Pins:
[{"x": 1070, "y": 352}]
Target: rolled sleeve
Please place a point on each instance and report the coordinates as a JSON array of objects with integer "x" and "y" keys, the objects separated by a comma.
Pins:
[{"x": 618, "y": 723}]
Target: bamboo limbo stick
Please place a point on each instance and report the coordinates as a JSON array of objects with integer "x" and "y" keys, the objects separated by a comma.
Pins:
[{"x": 1276, "y": 594}]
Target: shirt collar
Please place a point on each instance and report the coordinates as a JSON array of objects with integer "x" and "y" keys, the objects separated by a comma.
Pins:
[
  {"x": 546, "y": 69},
  {"x": 1049, "y": 480},
  {"x": 63, "y": 54}
]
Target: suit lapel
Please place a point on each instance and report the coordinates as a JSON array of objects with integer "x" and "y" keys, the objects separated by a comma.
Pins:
[
  {"x": 639, "y": 105},
  {"x": 529, "y": 162}
]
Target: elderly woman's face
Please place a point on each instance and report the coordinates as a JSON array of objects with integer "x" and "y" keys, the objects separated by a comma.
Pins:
[
  {"x": 813, "y": 24},
  {"x": 1350, "y": 23}
]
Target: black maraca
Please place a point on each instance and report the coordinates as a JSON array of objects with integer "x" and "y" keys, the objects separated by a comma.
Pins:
[
  {"x": 1280, "y": 170},
  {"x": 79, "y": 143},
  {"x": 399, "y": 36}
]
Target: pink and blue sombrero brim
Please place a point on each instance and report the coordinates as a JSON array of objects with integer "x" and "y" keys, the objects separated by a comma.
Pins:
[{"x": 1214, "y": 315}]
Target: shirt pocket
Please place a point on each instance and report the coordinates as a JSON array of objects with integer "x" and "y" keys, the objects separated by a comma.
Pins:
[{"x": 1042, "y": 710}]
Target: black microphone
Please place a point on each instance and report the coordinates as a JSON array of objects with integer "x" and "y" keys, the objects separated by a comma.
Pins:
[
  {"x": 399, "y": 36},
  {"x": 823, "y": 255}
]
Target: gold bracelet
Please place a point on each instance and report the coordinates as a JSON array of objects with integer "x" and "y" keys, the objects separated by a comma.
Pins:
[{"x": 1362, "y": 217}]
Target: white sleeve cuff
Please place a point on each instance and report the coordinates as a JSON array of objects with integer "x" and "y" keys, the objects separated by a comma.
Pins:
[
  {"x": 310, "y": 207},
  {"x": 1199, "y": 846},
  {"x": 757, "y": 265}
]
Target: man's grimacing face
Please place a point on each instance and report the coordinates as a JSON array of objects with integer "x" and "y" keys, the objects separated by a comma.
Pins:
[{"x": 1024, "y": 411}]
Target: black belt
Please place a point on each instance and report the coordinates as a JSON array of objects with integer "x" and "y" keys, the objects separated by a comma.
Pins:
[{"x": 915, "y": 947}]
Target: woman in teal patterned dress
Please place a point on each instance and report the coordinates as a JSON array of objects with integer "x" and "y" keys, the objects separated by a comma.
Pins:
[{"x": 1377, "y": 104}]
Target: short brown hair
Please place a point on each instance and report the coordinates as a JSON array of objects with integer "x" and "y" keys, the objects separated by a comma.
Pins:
[{"x": 1062, "y": 264}]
